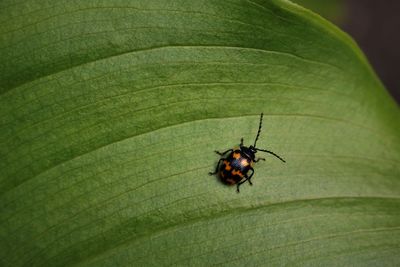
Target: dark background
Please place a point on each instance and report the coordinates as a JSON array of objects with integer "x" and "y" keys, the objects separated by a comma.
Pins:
[{"x": 375, "y": 26}]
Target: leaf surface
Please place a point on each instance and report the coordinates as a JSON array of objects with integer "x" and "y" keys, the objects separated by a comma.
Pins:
[{"x": 111, "y": 110}]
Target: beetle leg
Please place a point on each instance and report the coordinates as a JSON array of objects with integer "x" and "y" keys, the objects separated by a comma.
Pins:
[
  {"x": 223, "y": 153},
  {"x": 247, "y": 178},
  {"x": 216, "y": 169},
  {"x": 251, "y": 175},
  {"x": 257, "y": 160},
  {"x": 237, "y": 187},
  {"x": 241, "y": 142}
]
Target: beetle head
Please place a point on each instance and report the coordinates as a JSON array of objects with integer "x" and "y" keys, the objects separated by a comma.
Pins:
[{"x": 249, "y": 151}]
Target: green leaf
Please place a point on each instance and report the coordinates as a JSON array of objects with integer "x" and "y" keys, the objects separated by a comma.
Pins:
[
  {"x": 111, "y": 110},
  {"x": 333, "y": 10}
]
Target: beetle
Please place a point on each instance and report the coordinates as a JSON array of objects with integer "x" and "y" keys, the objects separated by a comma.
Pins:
[{"x": 235, "y": 168}]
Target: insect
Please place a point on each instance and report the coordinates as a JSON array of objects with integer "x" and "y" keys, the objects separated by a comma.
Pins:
[{"x": 235, "y": 168}]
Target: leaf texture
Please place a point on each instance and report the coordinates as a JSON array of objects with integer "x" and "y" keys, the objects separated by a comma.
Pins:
[{"x": 110, "y": 112}]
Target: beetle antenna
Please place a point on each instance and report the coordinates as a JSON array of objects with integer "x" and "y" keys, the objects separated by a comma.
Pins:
[
  {"x": 259, "y": 129},
  {"x": 270, "y": 152}
]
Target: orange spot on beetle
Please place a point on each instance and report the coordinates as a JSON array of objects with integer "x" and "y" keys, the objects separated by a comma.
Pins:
[
  {"x": 236, "y": 155},
  {"x": 244, "y": 162},
  {"x": 235, "y": 172},
  {"x": 228, "y": 167}
]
